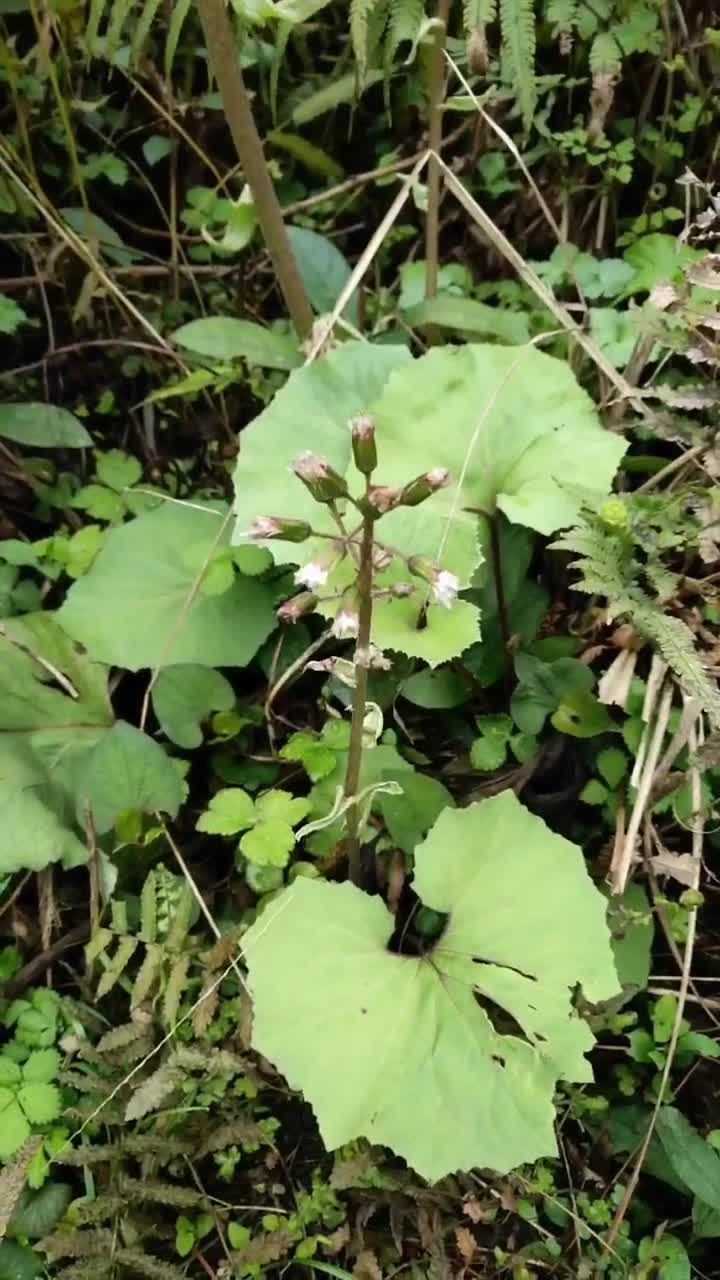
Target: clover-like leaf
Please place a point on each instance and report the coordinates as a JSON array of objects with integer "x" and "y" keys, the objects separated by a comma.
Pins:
[
  {"x": 14, "y": 1127},
  {"x": 395, "y": 1047},
  {"x": 269, "y": 844},
  {"x": 41, "y": 1067},
  {"x": 283, "y": 807},
  {"x": 10, "y": 1073},
  {"x": 40, "y": 1102},
  {"x": 230, "y": 810}
]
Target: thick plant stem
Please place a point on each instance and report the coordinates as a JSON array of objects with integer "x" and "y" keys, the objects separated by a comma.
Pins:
[
  {"x": 496, "y": 558},
  {"x": 436, "y": 83},
  {"x": 362, "y": 659},
  {"x": 225, "y": 63}
]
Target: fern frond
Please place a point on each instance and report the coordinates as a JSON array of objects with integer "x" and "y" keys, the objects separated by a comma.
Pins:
[
  {"x": 147, "y": 975},
  {"x": 605, "y": 55},
  {"x": 360, "y": 12},
  {"x": 235, "y": 1134},
  {"x": 80, "y": 1244},
  {"x": 139, "y": 1189},
  {"x": 157, "y": 1144},
  {"x": 12, "y": 1181},
  {"x": 103, "y": 1209},
  {"x": 205, "y": 1010},
  {"x": 123, "y": 955},
  {"x": 562, "y": 14},
  {"x": 120, "y": 11},
  {"x": 121, "y": 1036},
  {"x": 606, "y": 569},
  {"x": 180, "y": 11},
  {"x": 181, "y": 916},
  {"x": 95, "y": 17},
  {"x": 675, "y": 643},
  {"x": 152, "y": 1092},
  {"x": 282, "y": 36},
  {"x": 174, "y": 990},
  {"x": 148, "y": 906},
  {"x": 140, "y": 36},
  {"x": 517, "y": 22},
  {"x": 90, "y": 1153},
  {"x": 145, "y": 1264},
  {"x": 89, "y": 1270},
  {"x": 404, "y": 24},
  {"x": 477, "y": 13}
]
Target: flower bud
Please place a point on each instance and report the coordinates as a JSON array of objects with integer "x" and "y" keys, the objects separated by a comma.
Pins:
[
  {"x": 296, "y": 608},
  {"x": 381, "y": 498},
  {"x": 363, "y": 444},
  {"x": 381, "y": 558},
  {"x": 279, "y": 527},
  {"x": 323, "y": 481},
  {"x": 424, "y": 486},
  {"x": 401, "y": 590},
  {"x": 445, "y": 585},
  {"x": 423, "y": 568}
]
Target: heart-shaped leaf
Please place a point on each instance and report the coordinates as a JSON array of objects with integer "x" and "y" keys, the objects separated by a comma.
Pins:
[
  {"x": 396, "y": 1047},
  {"x": 503, "y": 421},
  {"x": 139, "y": 605}
]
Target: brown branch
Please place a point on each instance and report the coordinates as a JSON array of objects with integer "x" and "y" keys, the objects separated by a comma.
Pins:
[
  {"x": 436, "y": 84},
  {"x": 223, "y": 53}
]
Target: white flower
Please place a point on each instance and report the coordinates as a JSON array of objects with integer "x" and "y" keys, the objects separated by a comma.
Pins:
[
  {"x": 345, "y": 626},
  {"x": 312, "y": 576},
  {"x": 445, "y": 588}
]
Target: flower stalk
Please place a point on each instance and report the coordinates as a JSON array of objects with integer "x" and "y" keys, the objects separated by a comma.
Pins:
[{"x": 364, "y": 587}]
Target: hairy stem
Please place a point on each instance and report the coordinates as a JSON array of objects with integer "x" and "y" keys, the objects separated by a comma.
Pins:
[
  {"x": 225, "y": 62},
  {"x": 362, "y": 658},
  {"x": 436, "y": 84}
]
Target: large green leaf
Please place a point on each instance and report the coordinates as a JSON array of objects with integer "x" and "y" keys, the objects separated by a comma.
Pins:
[
  {"x": 505, "y": 424},
  {"x": 691, "y": 1158},
  {"x": 127, "y": 771},
  {"x": 228, "y": 338},
  {"x": 54, "y": 709},
  {"x": 184, "y": 696},
  {"x": 139, "y": 605},
  {"x": 402, "y": 1049},
  {"x": 311, "y": 411},
  {"x": 43, "y": 426},
  {"x": 324, "y": 270}
]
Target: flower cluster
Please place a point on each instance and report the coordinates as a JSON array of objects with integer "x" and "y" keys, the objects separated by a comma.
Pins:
[{"x": 328, "y": 487}]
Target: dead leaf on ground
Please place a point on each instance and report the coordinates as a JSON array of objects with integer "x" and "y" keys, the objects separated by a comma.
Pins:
[
  {"x": 466, "y": 1243},
  {"x": 681, "y": 866}
]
